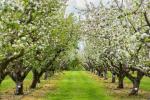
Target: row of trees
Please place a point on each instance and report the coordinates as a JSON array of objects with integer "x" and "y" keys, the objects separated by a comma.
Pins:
[
  {"x": 34, "y": 36},
  {"x": 117, "y": 39}
]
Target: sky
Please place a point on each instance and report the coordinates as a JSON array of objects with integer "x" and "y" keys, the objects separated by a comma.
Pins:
[{"x": 73, "y": 5}]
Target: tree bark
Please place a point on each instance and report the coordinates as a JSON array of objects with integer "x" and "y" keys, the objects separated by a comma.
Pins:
[
  {"x": 18, "y": 75},
  {"x": 120, "y": 81},
  {"x": 105, "y": 75},
  {"x": 4, "y": 63},
  {"x": 92, "y": 70},
  {"x": 98, "y": 72},
  {"x": 46, "y": 75},
  {"x": 36, "y": 78},
  {"x": 113, "y": 77},
  {"x": 19, "y": 88},
  {"x": 135, "y": 89},
  {"x": 135, "y": 81},
  {"x": 18, "y": 79},
  {"x": 34, "y": 82},
  {"x": 102, "y": 74}
]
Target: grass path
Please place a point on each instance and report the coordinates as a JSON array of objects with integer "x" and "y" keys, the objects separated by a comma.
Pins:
[{"x": 78, "y": 85}]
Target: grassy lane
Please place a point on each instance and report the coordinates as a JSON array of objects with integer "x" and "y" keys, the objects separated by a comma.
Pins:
[{"x": 78, "y": 85}]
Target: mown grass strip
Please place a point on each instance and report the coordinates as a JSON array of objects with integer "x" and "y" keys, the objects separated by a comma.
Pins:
[{"x": 78, "y": 85}]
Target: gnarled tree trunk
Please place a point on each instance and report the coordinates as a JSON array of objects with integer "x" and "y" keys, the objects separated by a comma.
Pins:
[
  {"x": 135, "y": 89},
  {"x": 98, "y": 72},
  {"x": 46, "y": 75},
  {"x": 36, "y": 78},
  {"x": 135, "y": 81},
  {"x": 105, "y": 74},
  {"x": 120, "y": 81},
  {"x": 18, "y": 78},
  {"x": 18, "y": 74},
  {"x": 4, "y": 63},
  {"x": 19, "y": 88},
  {"x": 113, "y": 77}
]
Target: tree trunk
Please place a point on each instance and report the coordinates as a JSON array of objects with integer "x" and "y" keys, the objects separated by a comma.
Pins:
[
  {"x": 46, "y": 75},
  {"x": 36, "y": 78},
  {"x": 18, "y": 79},
  {"x": 34, "y": 82},
  {"x": 4, "y": 63},
  {"x": 105, "y": 75},
  {"x": 113, "y": 78},
  {"x": 120, "y": 81},
  {"x": 98, "y": 73},
  {"x": 19, "y": 88},
  {"x": 135, "y": 81},
  {"x": 102, "y": 75},
  {"x": 135, "y": 89},
  {"x": 1, "y": 77}
]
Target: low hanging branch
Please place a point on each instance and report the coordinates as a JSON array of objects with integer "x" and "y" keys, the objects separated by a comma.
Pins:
[
  {"x": 5, "y": 61},
  {"x": 146, "y": 18}
]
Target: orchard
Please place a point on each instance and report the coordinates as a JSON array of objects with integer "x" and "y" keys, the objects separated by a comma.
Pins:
[{"x": 96, "y": 48}]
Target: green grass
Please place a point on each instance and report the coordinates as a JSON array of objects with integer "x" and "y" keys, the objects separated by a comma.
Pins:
[
  {"x": 78, "y": 85},
  {"x": 7, "y": 84},
  {"x": 145, "y": 84}
]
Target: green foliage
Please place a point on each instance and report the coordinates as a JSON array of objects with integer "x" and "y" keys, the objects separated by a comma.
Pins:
[
  {"x": 75, "y": 64},
  {"x": 147, "y": 63},
  {"x": 147, "y": 40}
]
